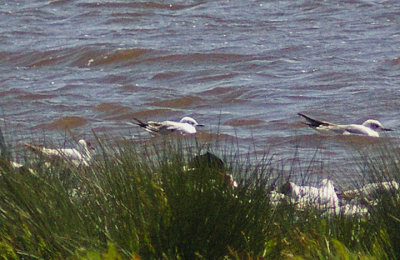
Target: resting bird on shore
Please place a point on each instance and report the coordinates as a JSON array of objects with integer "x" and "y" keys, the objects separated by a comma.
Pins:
[
  {"x": 81, "y": 155},
  {"x": 368, "y": 128},
  {"x": 371, "y": 191},
  {"x": 186, "y": 125},
  {"x": 309, "y": 195}
]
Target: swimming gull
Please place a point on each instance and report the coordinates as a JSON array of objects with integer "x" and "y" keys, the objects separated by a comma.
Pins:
[
  {"x": 81, "y": 155},
  {"x": 186, "y": 125},
  {"x": 368, "y": 128}
]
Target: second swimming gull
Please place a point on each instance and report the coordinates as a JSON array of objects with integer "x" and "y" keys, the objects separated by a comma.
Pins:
[{"x": 369, "y": 128}]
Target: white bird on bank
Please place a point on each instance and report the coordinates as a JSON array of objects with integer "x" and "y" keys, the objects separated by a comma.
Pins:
[
  {"x": 81, "y": 155},
  {"x": 372, "y": 191},
  {"x": 325, "y": 195},
  {"x": 186, "y": 125},
  {"x": 368, "y": 128}
]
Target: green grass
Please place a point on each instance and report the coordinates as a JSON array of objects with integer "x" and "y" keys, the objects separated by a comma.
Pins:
[{"x": 141, "y": 201}]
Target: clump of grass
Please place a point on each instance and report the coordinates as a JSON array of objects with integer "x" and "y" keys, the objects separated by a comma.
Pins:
[
  {"x": 172, "y": 211},
  {"x": 382, "y": 165},
  {"x": 158, "y": 200}
]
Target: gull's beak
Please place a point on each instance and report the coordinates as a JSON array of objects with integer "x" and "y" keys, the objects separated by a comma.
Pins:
[
  {"x": 387, "y": 129},
  {"x": 201, "y": 125}
]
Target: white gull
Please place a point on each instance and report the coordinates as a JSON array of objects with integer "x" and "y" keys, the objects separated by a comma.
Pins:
[
  {"x": 368, "y": 128},
  {"x": 81, "y": 155},
  {"x": 186, "y": 125},
  {"x": 313, "y": 196},
  {"x": 371, "y": 191}
]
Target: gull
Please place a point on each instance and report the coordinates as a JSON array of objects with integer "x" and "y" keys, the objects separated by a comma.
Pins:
[
  {"x": 186, "y": 125},
  {"x": 304, "y": 196},
  {"x": 371, "y": 191},
  {"x": 81, "y": 155},
  {"x": 368, "y": 128},
  {"x": 309, "y": 195}
]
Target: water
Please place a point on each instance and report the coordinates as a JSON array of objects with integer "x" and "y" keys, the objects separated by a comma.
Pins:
[{"x": 244, "y": 68}]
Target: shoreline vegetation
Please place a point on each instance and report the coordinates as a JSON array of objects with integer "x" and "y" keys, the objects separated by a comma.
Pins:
[{"x": 171, "y": 199}]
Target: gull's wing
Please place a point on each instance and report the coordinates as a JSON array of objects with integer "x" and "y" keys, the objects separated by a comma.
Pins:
[
  {"x": 139, "y": 123},
  {"x": 151, "y": 126},
  {"x": 316, "y": 123},
  {"x": 52, "y": 153}
]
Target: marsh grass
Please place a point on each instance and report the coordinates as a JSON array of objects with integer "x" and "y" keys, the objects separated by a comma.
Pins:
[
  {"x": 382, "y": 164},
  {"x": 142, "y": 200}
]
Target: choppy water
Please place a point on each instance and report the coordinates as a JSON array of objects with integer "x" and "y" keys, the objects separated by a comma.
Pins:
[{"x": 244, "y": 68}]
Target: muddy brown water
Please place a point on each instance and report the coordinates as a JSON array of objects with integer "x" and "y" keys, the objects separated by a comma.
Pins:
[{"x": 243, "y": 68}]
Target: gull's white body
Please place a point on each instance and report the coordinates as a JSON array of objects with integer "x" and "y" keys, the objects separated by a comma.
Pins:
[
  {"x": 186, "y": 125},
  {"x": 368, "y": 128},
  {"x": 81, "y": 155},
  {"x": 309, "y": 195}
]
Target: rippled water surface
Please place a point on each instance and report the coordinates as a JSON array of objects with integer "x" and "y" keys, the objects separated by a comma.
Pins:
[{"x": 243, "y": 68}]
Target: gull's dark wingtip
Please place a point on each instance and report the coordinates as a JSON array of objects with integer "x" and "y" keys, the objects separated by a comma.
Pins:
[
  {"x": 312, "y": 122},
  {"x": 305, "y": 116},
  {"x": 139, "y": 122}
]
